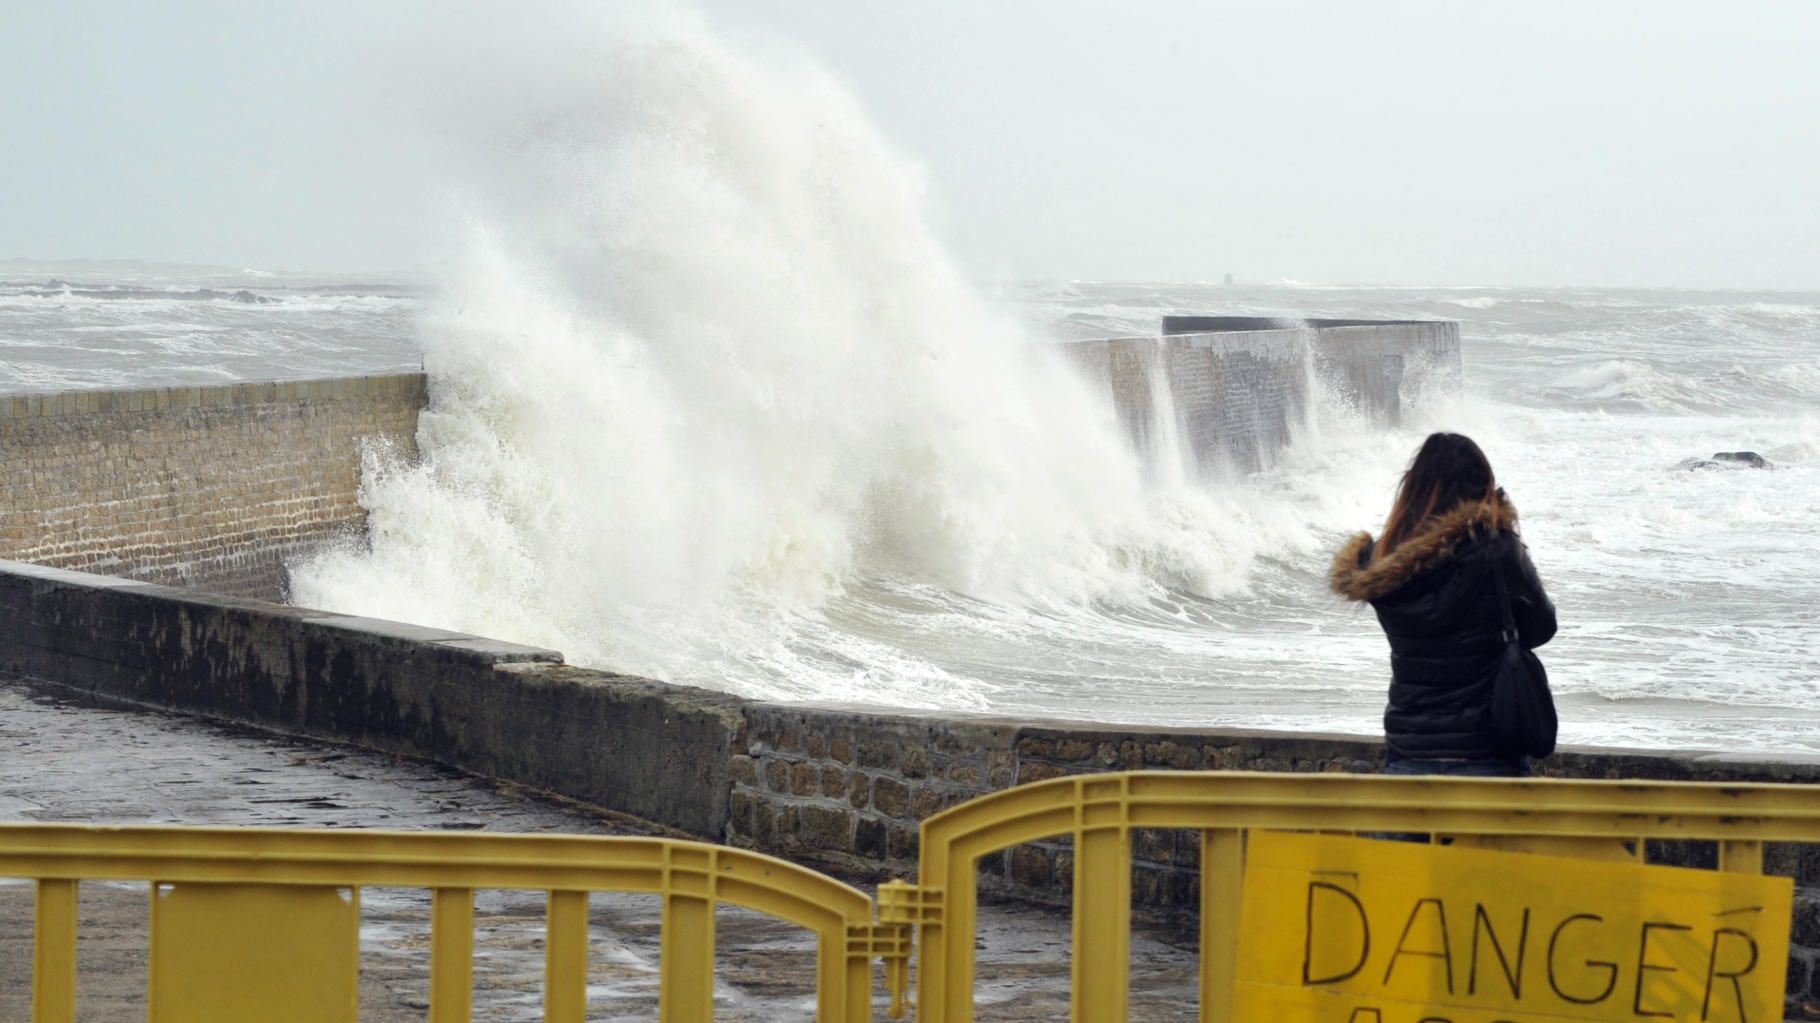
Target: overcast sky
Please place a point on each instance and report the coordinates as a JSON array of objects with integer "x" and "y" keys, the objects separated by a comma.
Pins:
[{"x": 1650, "y": 143}]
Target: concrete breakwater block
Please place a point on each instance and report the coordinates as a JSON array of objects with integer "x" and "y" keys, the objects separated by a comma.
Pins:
[{"x": 1230, "y": 393}]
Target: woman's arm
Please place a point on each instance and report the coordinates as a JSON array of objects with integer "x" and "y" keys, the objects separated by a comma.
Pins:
[{"x": 1529, "y": 603}]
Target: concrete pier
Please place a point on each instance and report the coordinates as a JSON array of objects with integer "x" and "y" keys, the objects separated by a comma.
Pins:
[{"x": 1236, "y": 391}]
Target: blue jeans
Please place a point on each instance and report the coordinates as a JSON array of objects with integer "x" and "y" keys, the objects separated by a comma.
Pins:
[{"x": 1458, "y": 768}]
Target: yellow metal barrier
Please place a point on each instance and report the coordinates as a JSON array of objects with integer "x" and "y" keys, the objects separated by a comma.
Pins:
[
  {"x": 255, "y": 924},
  {"x": 216, "y": 955},
  {"x": 1592, "y": 819}
]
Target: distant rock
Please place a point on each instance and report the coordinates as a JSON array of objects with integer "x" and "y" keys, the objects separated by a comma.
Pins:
[
  {"x": 249, "y": 298},
  {"x": 1727, "y": 460},
  {"x": 1750, "y": 458}
]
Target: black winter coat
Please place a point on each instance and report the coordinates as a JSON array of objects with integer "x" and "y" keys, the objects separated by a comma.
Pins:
[{"x": 1436, "y": 597}]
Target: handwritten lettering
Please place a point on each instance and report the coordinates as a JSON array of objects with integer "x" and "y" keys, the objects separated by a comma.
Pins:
[
  {"x": 1444, "y": 954},
  {"x": 1389, "y": 932},
  {"x": 1309, "y": 932},
  {"x": 1645, "y": 967},
  {"x": 1514, "y": 977},
  {"x": 1611, "y": 976},
  {"x": 1713, "y": 973}
]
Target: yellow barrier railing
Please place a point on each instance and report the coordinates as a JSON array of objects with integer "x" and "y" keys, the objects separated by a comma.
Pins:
[
  {"x": 253, "y": 924},
  {"x": 217, "y": 955},
  {"x": 1592, "y": 819}
]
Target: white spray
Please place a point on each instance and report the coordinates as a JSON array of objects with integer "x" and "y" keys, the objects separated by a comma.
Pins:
[{"x": 704, "y": 365}]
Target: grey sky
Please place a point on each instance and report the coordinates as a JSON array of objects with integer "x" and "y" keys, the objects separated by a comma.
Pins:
[{"x": 1659, "y": 143}]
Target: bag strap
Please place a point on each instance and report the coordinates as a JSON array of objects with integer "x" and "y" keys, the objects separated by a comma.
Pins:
[{"x": 1510, "y": 622}]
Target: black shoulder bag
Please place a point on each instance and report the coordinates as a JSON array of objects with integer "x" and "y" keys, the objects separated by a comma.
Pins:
[{"x": 1522, "y": 710}]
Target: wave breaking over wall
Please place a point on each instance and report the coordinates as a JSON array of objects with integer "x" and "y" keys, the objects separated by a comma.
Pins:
[
  {"x": 705, "y": 365},
  {"x": 710, "y": 402}
]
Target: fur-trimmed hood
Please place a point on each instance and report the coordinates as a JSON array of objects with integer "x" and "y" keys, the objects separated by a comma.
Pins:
[{"x": 1433, "y": 544}]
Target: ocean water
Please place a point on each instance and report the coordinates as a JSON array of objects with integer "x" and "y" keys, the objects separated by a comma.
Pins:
[
  {"x": 1687, "y": 597},
  {"x": 712, "y": 403},
  {"x": 1688, "y": 606},
  {"x": 103, "y": 324}
]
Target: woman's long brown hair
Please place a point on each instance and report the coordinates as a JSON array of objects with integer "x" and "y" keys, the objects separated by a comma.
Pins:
[{"x": 1450, "y": 469}]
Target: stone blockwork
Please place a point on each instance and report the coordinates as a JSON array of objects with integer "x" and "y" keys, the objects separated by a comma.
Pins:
[
  {"x": 1238, "y": 390},
  {"x": 213, "y": 487},
  {"x": 1804, "y": 957},
  {"x": 1165, "y": 864},
  {"x": 851, "y": 788},
  {"x": 1802, "y": 976}
]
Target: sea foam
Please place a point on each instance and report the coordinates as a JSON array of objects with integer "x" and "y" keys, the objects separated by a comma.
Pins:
[{"x": 704, "y": 366}]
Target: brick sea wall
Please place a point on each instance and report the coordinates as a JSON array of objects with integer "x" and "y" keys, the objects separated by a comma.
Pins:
[
  {"x": 202, "y": 486},
  {"x": 833, "y": 786}
]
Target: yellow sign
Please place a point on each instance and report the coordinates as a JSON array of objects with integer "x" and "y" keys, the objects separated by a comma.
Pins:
[{"x": 1350, "y": 930}]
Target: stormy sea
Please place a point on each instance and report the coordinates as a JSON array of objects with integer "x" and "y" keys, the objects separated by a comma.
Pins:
[
  {"x": 712, "y": 402},
  {"x": 739, "y": 536}
]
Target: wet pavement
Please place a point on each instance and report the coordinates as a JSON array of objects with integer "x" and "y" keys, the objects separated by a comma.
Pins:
[{"x": 66, "y": 761}]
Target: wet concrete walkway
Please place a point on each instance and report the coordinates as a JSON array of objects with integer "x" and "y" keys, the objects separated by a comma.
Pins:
[{"x": 62, "y": 760}]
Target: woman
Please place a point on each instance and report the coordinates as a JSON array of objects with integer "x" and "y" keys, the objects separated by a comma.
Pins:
[{"x": 1432, "y": 581}]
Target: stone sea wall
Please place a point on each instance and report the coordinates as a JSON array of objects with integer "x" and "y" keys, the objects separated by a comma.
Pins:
[
  {"x": 204, "y": 486},
  {"x": 840, "y": 787}
]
